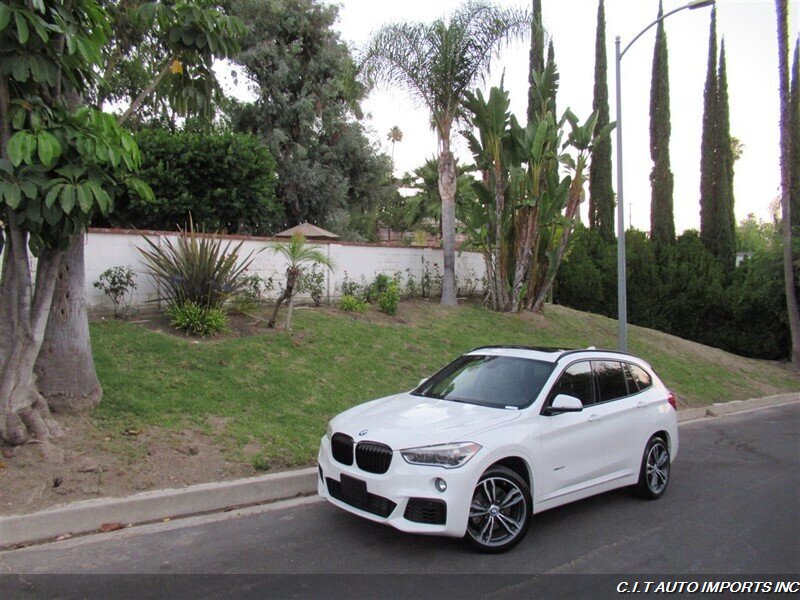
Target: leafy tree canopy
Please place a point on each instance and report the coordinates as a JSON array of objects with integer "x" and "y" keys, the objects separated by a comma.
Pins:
[{"x": 308, "y": 100}]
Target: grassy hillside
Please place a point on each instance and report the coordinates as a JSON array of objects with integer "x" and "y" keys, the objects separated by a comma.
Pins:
[{"x": 268, "y": 396}]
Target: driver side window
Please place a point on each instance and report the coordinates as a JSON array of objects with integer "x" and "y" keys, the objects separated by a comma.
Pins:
[{"x": 576, "y": 380}]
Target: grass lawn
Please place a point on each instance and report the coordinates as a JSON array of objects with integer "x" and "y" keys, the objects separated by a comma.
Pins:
[{"x": 266, "y": 398}]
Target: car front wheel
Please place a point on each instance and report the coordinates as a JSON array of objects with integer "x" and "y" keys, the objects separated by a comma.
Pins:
[
  {"x": 654, "y": 472},
  {"x": 500, "y": 511}
]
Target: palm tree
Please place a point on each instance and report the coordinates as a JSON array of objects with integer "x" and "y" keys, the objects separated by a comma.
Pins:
[
  {"x": 438, "y": 63},
  {"x": 298, "y": 254},
  {"x": 426, "y": 203},
  {"x": 782, "y": 9},
  {"x": 395, "y": 135}
]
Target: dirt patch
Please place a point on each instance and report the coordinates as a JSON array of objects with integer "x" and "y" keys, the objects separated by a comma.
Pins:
[{"x": 92, "y": 462}]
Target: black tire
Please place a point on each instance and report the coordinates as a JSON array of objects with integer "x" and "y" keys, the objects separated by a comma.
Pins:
[
  {"x": 500, "y": 511},
  {"x": 654, "y": 470}
]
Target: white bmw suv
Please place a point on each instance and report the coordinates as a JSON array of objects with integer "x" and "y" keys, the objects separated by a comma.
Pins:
[{"x": 498, "y": 435}]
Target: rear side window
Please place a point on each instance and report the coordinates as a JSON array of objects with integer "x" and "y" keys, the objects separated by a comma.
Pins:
[
  {"x": 640, "y": 377},
  {"x": 611, "y": 382},
  {"x": 576, "y": 380}
]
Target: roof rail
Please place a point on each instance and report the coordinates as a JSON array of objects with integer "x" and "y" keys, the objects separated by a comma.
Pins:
[
  {"x": 515, "y": 347},
  {"x": 593, "y": 349}
]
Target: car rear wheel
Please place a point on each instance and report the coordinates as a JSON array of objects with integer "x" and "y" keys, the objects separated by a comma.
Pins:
[
  {"x": 500, "y": 511},
  {"x": 655, "y": 468}
]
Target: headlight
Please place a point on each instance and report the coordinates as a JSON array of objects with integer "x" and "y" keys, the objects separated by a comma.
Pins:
[
  {"x": 329, "y": 431},
  {"x": 448, "y": 456}
]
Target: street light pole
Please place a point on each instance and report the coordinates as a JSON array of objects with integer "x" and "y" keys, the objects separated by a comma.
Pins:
[{"x": 622, "y": 291}]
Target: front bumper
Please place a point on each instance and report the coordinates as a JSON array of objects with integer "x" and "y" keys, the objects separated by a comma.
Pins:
[{"x": 399, "y": 484}]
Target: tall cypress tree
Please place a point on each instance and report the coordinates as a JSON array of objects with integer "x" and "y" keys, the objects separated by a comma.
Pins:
[
  {"x": 551, "y": 58},
  {"x": 794, "y": 135},
  {"x": 601, "y": 192},
  {"x": 725, "y": 247},
  {"x": 536, "y": 58},
  {"x": 662, "y": 219},
  {"x": 708, "y": 159}
]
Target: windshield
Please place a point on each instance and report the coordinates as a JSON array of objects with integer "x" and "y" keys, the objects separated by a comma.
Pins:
[{"x": 497, "y": 381}]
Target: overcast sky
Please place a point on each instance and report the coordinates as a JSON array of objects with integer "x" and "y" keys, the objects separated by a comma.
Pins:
[{"x": 749, "y": 30}]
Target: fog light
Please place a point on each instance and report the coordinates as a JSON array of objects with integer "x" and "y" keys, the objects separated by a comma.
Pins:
[{"x": 440, "y": 485}]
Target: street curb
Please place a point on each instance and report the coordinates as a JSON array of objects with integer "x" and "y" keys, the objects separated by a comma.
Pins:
[
  {"x": 690, "y": 414},
  {"x": 726, "y": 408},
  {"x": 88, "y": 515}
]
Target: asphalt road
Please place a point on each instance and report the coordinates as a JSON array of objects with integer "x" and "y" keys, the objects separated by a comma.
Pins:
[{"x": 733, "y": 507}]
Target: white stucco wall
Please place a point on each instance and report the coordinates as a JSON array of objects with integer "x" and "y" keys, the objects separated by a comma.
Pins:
[{"x": 109, "y": 248}]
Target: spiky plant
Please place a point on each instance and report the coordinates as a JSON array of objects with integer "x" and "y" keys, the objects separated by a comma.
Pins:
[{"x": 197, "y": 268}]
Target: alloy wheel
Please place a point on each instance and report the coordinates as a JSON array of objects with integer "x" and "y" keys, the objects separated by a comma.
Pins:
[
  {"x": 498, "y": 513},
  {"x": 657, "y": 468}
]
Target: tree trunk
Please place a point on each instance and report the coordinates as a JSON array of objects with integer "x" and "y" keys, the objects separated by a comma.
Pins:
[
  {"x": 782, "y": 9},
  {"x": 65, "y": 368},
  {"x": 24, "y": 414},
  {"x": 292, "y": 274},
  {"x": 500, "y": 275},
  {"x": 447, "y": 190},
  {"x": 289, "y": 314}
]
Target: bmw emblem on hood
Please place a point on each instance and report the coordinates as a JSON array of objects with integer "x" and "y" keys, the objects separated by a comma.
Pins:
[{"x": 362, "y": 433}]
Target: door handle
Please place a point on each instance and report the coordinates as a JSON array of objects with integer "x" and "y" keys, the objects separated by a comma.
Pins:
[
  {"x": 642, "y": 404},
  {"x": 594, "y": 418}
]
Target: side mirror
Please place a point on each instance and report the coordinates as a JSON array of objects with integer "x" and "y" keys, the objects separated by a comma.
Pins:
[
  {"x": 421, "y": 381},
  {"x": 564, "y": 403}
]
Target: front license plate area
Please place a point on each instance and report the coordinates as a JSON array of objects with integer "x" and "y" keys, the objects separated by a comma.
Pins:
[{"x": 354, "y": 489}]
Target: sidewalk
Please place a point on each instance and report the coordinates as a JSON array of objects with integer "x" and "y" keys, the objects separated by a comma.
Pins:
[{"x": 87, "y": 516}]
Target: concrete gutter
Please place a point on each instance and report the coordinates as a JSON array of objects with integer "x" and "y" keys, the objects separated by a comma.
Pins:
[{"x": 87, "y": 516}]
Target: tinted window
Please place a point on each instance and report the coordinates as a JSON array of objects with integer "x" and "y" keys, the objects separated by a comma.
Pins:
[
  {"x": 641, "y": 377},
  {"x": 488, "y": 380},
  {"x": 611, "y": 382},
  {"x": 576, "y": 381}
]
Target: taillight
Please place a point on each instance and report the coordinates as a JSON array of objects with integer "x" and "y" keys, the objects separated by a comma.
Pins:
[{"x": 671, "y": 400}]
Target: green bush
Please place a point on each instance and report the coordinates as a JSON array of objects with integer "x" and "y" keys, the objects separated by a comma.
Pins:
[
  {"x": 313, "y": 283},
  {"x": 118, "y": 284},
  {"x": 250, "y": 296},
  {"x": 352, "y": 304},
  {"x": 196, "y": 268},
  {"x": 389, "y": 298},
  {"x": 378, "y": 286},
  {"x": 194, "y": 319},
  {"x": 684, "y": 290},
  {"x": 225, "y": 180},
  {"x": 352, "y": 288}
]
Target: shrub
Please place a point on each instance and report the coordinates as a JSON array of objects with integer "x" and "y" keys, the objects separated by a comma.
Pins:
[
  {"x": 313, "y": 283},
  {"x": 194, "y": 319},
  {"x": 352, "y": 304},
  {"x": 196, "y": 268},
  {"x": 389, "y": 298},
  {"x": 412, "y": 290},
  {"x": 431, "y": 281},
  {"x": 118, "y": 284},
  {"x": 254, "y": 288},
  {"x": 378, "y": 286},
  {"x": 352, "y": 288},
  {"x": 683, "y": 289},
  {"x": 226, "y": 180}
]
